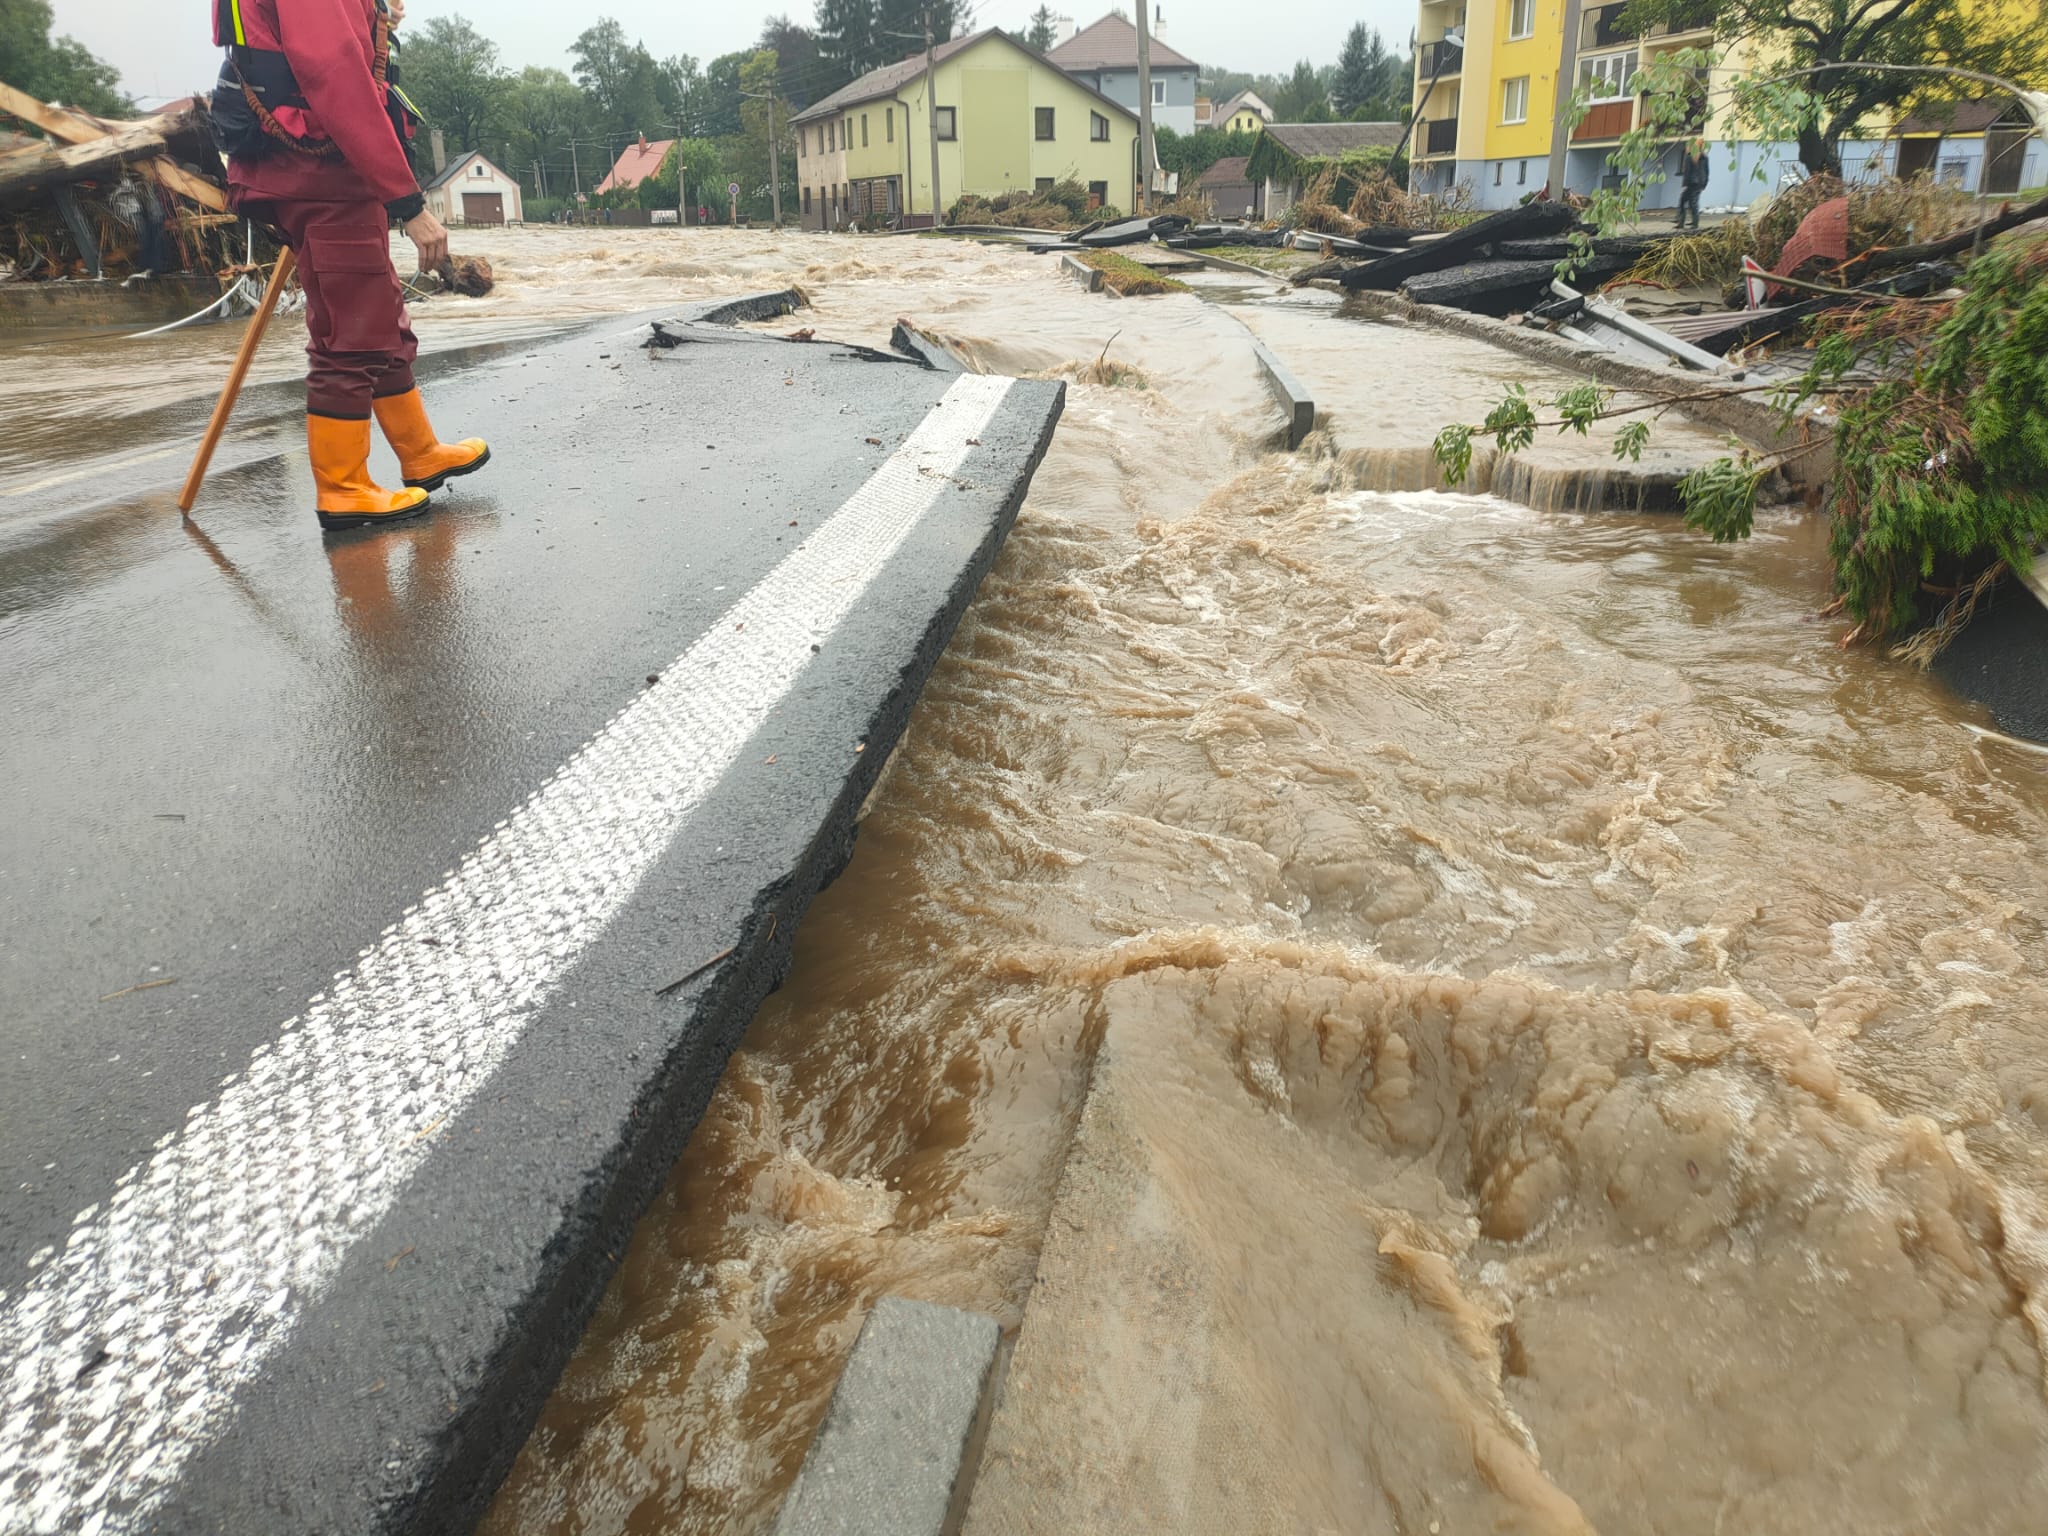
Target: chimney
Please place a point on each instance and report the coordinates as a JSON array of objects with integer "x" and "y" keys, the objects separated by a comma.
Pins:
[
  {"x": 1159, "y": 23},
  {"x": 440, "y": 151},
  {"x": 643, "y": 143}
]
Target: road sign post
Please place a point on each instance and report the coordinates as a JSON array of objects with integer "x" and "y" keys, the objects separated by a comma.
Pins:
[{"x": 733, "y": 190}]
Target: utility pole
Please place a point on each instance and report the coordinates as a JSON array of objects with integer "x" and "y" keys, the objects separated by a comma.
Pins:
[
  {"x": 931, "y": 110},
  {"x": 1567, "y": 86},
  {"x": 575, "y": 173},
  {"x": 1145, "y": 149}
]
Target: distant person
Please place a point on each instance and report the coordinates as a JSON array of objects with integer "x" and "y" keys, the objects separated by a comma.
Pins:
[
  {"x": 1693, "y": 174},
  {"x": 703, "y": 213},
  {"x": 315, "y": 129}
]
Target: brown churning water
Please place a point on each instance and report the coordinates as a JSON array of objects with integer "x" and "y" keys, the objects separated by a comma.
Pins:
[{"x": 1591, "y": 1026}]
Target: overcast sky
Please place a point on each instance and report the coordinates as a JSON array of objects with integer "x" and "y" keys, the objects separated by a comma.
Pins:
[{"x": 163, "y": 47}]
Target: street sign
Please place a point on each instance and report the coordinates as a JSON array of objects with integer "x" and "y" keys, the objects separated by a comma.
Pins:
[{"x": 733, "y": 190}]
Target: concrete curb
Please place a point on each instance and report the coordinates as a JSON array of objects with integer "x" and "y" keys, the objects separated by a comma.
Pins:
[
  {"x": 915, "y": 342},
  {"x": 1748, "y": 416},
  {"x": 1224, "y": 263},
  {"x": 1077, "y": 270},
  {"x": 895, "y": 1454},
  {"x": 1292, "y": 394}
]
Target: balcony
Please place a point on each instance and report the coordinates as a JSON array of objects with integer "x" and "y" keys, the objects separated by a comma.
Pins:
[
  {"x": 1608, "y": 120},
  {"x": 1693, "y": 19},
  {"x": 1440, "y": 137},
  {"x": 1601, "y": 28},
  {"x": 1445, "y": 53}
]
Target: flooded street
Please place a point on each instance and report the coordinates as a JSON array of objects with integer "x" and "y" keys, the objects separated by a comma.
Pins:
[{"x": 1592, "y": 1026}]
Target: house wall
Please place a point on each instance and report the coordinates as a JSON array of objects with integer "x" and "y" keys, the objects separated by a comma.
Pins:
[
  {"x": 823, "y": 173},
  {"x": 996, "y": 90},
  {"x": 477, "y": 175},
  {"x": 1121, "y": 86},
  {"x": 1244, "y": 120}
]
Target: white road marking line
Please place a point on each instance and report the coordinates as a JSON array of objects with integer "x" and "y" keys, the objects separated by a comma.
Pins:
[{"x": 122, "y": 1355}]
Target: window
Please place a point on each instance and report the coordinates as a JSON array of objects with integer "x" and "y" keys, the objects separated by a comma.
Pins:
[
  {"x": 889, "y": 124},
  {"x": 803, "y": 134},
  {"x": 1522, "y": 174},
  {"x": 825, "y": 135},
  {"x": 1498, "y": 167},
  {"x": 1043, "y": 184},
  {"x": 807, "y": 199},
  {"x": 1521, "y": 19},
  {"x": 1098, "y": 193},
  {"x": 1098, "y": 127},
  {"x": 863, "y": 130},
  {"x": 948, "y": 123},
  {"x": 1610, "y": 78},
  {"x": 1158, "y": 93},
  {"x": 1042, "y": 117},
  {"x": 1514, "y": 100},
  {"x": 476, "y": 170}
]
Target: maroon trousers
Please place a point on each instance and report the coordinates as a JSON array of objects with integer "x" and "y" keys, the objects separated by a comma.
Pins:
[{"x": 359, "y": 341}]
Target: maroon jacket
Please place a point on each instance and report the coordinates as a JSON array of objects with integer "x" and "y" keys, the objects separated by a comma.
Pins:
[{"x": 331, "y": 45}]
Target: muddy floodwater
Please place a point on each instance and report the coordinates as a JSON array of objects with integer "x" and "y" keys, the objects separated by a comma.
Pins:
[{"x": 1594, "y": 1025}]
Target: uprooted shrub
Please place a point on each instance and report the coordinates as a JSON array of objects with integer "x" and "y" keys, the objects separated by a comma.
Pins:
[{"x": 1884, "y": 213}]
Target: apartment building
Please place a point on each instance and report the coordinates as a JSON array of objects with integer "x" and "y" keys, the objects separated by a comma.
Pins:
[{"x": 1487, "y": 74}]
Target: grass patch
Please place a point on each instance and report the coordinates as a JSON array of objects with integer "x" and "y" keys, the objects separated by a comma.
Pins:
[{"x": 1130, "y": 278}]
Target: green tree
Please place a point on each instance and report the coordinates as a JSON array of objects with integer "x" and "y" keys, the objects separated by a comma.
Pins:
[
  {"x": 713, "y": 109},
  {"x": 1044, "y": 31},
  {"x": 451, "y": 71},
  {"x": 1302, "y": 97},
  {"x": 797, "y": 68},
  {"x": 747, "y": 153},
  {"x": 55, "y": 69},
  {"x": 847, "y": 43},
  {"x": 1371, "y": 83},
  {"x": 1804, "y": 34},
  {"x": 620, "y": 79},
  {"x": 1190, "y": 154},
  {"x": 541, "y": 113},
  {"x": 675, "y": 78},
  {"x": 704, "y": 178}
]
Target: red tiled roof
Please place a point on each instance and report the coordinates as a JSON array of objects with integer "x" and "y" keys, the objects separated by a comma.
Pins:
[{"x": 639, "y": 162}]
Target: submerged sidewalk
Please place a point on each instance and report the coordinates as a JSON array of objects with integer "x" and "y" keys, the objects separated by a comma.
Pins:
[{"x": 380, "y": 911}]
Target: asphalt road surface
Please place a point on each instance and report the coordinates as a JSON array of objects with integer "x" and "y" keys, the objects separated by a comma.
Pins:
[{"x": 377, "y": 912}]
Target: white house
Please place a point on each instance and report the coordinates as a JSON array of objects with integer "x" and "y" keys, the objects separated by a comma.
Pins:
[{"x": 471, "y": 190}]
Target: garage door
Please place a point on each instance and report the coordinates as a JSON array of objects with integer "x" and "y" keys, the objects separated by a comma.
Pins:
[{"x": 483, "y": 207}]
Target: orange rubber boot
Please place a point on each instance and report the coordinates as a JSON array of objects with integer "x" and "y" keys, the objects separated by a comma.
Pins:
[
  {"x": 348, "y": 497},
  {"x": 424, "y": 459}
]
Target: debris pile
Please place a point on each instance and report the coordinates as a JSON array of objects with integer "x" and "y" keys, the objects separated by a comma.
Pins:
[{"x": 94, "y": 193}]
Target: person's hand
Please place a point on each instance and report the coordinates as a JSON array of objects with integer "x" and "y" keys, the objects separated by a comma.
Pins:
[
  {"x": 395, "y": 9},
  {"x": 430, "y": 238}
]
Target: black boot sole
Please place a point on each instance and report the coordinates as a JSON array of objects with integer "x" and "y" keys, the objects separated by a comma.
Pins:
[
  {"x": 435, "y": 482},
  {"x": 342, "y": 522}
]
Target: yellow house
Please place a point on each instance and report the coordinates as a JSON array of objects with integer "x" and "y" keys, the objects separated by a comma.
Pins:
[
  {"x": 1246, "y": 112},
  {"x": 1007, "y": 121}
]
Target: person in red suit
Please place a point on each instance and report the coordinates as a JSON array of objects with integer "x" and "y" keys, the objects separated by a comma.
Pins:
[{"x": 314, "y": 124}]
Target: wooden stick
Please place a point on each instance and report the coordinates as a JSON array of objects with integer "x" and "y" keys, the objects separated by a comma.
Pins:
[{"x": 225, "y": 406}]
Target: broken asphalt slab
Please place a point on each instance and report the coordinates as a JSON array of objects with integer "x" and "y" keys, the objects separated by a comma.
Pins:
[{"x": 380, "y": 911}]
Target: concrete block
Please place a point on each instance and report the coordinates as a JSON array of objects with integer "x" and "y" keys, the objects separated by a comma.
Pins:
[
  {"x": 1292, "y": 394},
  {"x": 892, "y": 1458},
  {"x": 1079, "y": 270}
]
